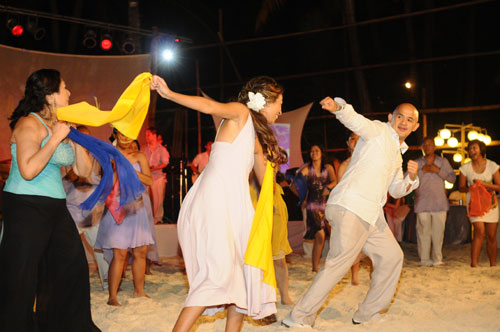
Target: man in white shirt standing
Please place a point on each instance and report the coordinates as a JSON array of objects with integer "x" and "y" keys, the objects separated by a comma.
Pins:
[
  {"x": 355, "y": 211},
  {"x": 158, "y": 159},
  {"x": 431, "y": 203}
]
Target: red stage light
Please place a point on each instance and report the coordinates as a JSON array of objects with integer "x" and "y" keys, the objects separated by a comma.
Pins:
[
  {"x": 17, "y": 30},
  {"x": 106, "y": 44},
  {"x": 177, "y": 40}
]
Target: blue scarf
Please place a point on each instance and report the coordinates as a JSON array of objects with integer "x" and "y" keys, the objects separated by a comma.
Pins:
[{"x": 130, "y": 185}]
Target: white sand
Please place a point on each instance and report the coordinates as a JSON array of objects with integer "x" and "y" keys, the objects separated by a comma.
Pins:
[{"x": 453, "y": 297}]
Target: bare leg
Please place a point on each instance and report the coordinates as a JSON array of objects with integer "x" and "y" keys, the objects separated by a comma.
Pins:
[
  {"x": 115, "y": 274},
  {"x": 187, "y": 318},
  {"x": 281, "y": 271},
  {"x": 139, "y": 269},
  {"x": 148, "y": 267},
  {"x": 477, "y": 242},
  {"x": 234, "y": 320},
  {"x": 491, "y": 241},
  {"x": 319, "y": 241},
  {"x": 125, "y": 265}
]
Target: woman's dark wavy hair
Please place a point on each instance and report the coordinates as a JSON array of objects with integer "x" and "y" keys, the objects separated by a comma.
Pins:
[
  {"x": 480, "y": 144},
  {"x": 271, "y": 90},
  {"x": 323, "y": 158},
  {"x": 41, "y": 83}
]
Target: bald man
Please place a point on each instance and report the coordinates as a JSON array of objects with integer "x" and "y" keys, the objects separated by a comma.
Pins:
[{"x": 354, "y": 210}]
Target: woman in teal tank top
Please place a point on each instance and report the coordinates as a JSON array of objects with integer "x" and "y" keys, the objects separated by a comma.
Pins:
[{"x": 41, "y": 255}]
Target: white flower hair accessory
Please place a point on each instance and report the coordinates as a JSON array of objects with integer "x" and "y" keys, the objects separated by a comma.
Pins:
[{"x": 256, "y": 101}]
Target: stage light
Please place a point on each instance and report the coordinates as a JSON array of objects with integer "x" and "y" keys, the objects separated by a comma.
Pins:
[
  {"x": 106, "y": 41},
  {"x": 480, "y": 137},
  {"x": 14, "y": 27},
  {"x": 448, "y": 185},
  {"x": 408, "y": 85},
  {"x": 452, "y": 142},
  {"x": 438, "y": 141},
  {"x": 487, "y": 139},
  {"x": 457, "y": 157},
  {"x": 33, "y": 28},
  {"x": 128, "y": 46},
  {"x": 90, "y": 39},
  {"x": 445, "y": 133},
  {"x": 168, "y": 54},
  {"x": 472, "y": 135}
]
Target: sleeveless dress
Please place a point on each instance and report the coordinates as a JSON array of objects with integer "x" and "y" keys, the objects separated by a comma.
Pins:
[
  {"x": 214, "y": 226},
  {"x": 491, "y": 168},
  {"x": 135, "y": 230},
  {"x": 315, "y": 202}
]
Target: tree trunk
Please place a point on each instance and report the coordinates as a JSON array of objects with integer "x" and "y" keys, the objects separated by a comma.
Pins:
[
  {"x": 428, "y": 82},
  {"x": 363, "y": 95}
]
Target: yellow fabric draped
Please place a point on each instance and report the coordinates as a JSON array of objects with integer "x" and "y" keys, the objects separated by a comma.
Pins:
[
  {"x": 127, "y": 116},
  {"x": 259, "y": 251}
]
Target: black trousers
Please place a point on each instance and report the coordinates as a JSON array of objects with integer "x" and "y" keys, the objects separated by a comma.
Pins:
[{"x": 41, "y": 255}]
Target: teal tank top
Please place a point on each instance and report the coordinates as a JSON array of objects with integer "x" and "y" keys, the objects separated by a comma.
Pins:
[{"x": 49, "y": 181}]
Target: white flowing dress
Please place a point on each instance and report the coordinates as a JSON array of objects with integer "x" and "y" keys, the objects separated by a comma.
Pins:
[{"x": 213, "y": 227}]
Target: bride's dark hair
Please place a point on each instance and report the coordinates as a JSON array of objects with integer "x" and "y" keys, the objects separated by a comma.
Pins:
[{"x": 271, "y": 90}]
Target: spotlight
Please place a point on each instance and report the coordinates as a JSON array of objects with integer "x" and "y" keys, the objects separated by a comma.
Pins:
[
  {"x": 14, "y": 27},
  {"x": 448, "y": 185},
  {"x": 33, "y": 28},
  {"x": 480, "y": 137},
  {"x": 106, "y": 41},
  {"x": 457, "y": 157},
  {"x": 168, "y": 54},
  {"x": 89, "y": 39},
  {"x": 487, "y": 139},
  {"x": 128, "y": 46},
  {"x": 408, "y": 85}
]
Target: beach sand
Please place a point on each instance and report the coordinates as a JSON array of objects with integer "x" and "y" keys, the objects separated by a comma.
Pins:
[{"x": 452, "y": 297}]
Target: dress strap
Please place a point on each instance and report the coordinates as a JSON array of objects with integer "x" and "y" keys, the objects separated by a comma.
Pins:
[{"x": 39, "y": 118}]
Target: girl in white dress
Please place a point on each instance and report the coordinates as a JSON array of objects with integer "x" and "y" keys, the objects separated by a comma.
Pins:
[
  {"x": 216, "y": 215},
  {"x": 485, "y": 172}
]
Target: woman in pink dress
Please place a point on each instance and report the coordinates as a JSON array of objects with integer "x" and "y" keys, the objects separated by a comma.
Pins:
[{"x": 216, "y": 216}]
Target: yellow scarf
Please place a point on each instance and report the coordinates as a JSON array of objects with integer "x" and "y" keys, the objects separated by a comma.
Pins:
[
  {"x": 127, "y": 116},
  {"x": 259, "y": 251}
]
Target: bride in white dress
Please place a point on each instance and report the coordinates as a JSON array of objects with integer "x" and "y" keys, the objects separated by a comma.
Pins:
[{"x": 216, "y": 216}]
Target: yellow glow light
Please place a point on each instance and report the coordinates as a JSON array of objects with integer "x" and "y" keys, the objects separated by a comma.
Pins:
[
  {"x": 466, "y": 160},
  {"x": 487, "y": 139},
  {"x": 453, "y": 142},
  {"x": 472, "y": 135},
  {"x": 448, "y": 185},
  {"x": 445, "y": 133},
  {"x": 408, "y": 85},
  {"x": 480, "y": 137},
  {"x": 457, "y": 157},
  {"x": 438, "y": 141}
]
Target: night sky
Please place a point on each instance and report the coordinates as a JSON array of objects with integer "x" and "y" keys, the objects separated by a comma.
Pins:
[{"x": 451, "y": 55}]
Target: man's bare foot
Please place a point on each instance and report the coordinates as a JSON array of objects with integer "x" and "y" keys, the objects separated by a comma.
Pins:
[
  {"x": 114, "y": 302},
  {"x": 287, "y": 301},
  {"x": 355, "y": 281}
]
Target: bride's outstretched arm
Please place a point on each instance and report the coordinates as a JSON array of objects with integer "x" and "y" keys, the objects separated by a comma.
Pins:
[{"x": 231, "y": 111}]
